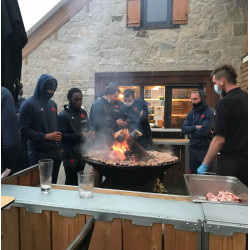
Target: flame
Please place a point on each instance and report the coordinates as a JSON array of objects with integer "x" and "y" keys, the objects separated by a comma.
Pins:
[{"x": 119, "y": 148}]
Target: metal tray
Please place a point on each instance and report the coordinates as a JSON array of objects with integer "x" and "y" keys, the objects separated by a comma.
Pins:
[{"x": 199, "y": 185}]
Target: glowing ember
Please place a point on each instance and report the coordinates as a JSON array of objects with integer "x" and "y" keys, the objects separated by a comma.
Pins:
[{"x": 120, "y": 148}]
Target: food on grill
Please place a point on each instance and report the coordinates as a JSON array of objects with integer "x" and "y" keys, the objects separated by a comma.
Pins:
[
  {"x": 156, "y": 158},
  {"x": 222, "y": 196}
]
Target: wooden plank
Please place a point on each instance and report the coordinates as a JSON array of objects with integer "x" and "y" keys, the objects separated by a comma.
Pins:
[
  {"x": 146, "y": 195},
  {"x": 107, "y": 235},
  {"x": 50, "y": 25},
  {"x": 25, "y": 179},
  {"x": 10, "y": 181},
  {"x": 179, "y": 240},
  {"x": 170, "y": 141},
  {"x": 6, "y": 200},
  {"x": 141, "y": 237},
  {"x": 35, "y": 230},
  {"x": 10, "y": 229},
  {"x": 236, "y": 242},
  {"x": 134, "y": 13},
  {"x": 65, "y": 229},
  {"x": 35, "y": 178},
  {"x": 180, "y": 11},
  {"x": 130, "y": 193}
]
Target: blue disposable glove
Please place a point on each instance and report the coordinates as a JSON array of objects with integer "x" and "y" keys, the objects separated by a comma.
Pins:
[{"x": 202, "y": 168}]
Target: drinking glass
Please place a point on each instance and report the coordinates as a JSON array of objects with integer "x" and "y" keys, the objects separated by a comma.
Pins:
[
  {"x": 85, "y": 183},
  {"x": 45, "y": 173}
]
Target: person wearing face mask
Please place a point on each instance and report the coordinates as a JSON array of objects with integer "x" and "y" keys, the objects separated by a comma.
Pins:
[
  {"x": 231, "y": 127},
  {"x": 198, "y": 124},
  {"x": 73, "y": 123},
  {"x": 105, "y": 118},
  {"x": 38, "y": 123},
  {"x": 136, "y": 113}
]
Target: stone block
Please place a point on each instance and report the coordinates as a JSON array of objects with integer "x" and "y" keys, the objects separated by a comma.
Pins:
[{"x": 240, "y": 29}]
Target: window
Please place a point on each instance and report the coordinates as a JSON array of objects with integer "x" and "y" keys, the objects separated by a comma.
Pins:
[{"x": 157, "y": 13}]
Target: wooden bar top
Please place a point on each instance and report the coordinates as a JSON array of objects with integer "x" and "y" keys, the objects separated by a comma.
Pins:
[
  {"x": 6, "y": 200},
  {"x": 170, "y": 141},
  {"x": 130, "y": 193}
]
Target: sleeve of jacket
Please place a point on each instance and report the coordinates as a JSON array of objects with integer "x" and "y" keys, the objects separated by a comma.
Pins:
[
  {"x": 9, "y": 132},
  {"x": 25, "y": 121},
  {"x": 64, "y": 128},
  {"x": 144, "y": 108},
  {"x": 207, "y": 124},
  {"x": 187, "y": 127},
  {"x": 99, "y": 118}
]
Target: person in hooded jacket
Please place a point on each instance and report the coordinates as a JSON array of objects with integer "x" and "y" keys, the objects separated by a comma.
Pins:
[
  {"x": 198, "y": 123},
  {"x": 38, "y": 123},
  {"x": 136, "y": 113},
  {"x": 105, "y": 117},
  {"x": 73, "y": 123}
]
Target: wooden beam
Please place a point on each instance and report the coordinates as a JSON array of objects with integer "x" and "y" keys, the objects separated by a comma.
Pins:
[{"x": 52, "y": 24}]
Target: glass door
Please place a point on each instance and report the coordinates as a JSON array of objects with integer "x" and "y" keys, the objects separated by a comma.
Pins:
[
  {"x": 155, "y": 98},
  {"x": 181, "y": 106}
]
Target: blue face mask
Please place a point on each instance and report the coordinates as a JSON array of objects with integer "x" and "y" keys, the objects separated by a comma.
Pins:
[{"x": 217, "y": 90}]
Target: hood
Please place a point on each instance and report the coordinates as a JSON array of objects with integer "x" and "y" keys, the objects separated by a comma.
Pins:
[
  {"x": 39, "y": 92},
  {"x": 203, "y": 100},
  {"x": 72, "y": 109}
]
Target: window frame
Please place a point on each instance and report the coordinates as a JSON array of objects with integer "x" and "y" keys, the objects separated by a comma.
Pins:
[
  {"x": 135, "y": 10},
  {"x": 164, "y": 24}
]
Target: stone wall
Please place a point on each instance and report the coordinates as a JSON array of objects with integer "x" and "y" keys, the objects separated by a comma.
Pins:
[{"x": 98, "y": 41}]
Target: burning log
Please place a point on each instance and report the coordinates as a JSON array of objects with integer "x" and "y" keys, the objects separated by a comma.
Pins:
[{"x": 135, "y": 148}]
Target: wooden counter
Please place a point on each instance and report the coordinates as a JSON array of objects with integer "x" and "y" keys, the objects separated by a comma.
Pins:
[{"x": 125, "y": 220}]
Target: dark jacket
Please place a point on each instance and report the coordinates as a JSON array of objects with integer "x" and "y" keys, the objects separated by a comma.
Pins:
[
  {"x": 137, "y": 121},
  {"x": 20, "y": 101},
  {"x": 103, "y": 116},
  {"x": 38, "y": 117},
  {"x": 201, "y": 115},
  {"x": 13, "y": 40},
  {"x": 72, "y": 122},
  {"x": 9, "y": 131}
]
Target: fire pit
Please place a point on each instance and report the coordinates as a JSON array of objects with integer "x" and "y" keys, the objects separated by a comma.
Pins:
[
  {"x": 130, "y": 176},
  {"x": 127, "y": 164}
]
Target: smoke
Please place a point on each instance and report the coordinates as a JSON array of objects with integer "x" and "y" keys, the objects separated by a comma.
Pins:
[{"x": 98, "y": 142}]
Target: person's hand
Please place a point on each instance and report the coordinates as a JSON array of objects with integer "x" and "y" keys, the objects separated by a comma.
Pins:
[
  {"x": 55, "y": 136},
  {"x": 198, "y": 126},
  {"x": 121, "y": 123},
  {"x": 202, "y": 168},
  {"x": 91, "y": 135}
]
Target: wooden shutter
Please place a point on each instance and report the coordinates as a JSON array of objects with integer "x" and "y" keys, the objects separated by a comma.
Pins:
[
  {"x": 180, "y": 11},
  {"x": 134, "y": 13}
]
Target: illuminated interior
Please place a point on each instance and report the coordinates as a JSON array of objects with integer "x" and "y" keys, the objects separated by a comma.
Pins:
[{"x": 177, "y": 106}]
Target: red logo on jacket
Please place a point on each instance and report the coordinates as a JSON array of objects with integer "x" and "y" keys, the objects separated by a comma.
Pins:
[
  {"x": 202, "y": 116},
  {"x": 53, "y": 109},
  {"x": 72, "y": 161},
  {"x": 116, "y": 106},
  {"x": 135, "y": 109},
  {"x": 82, "y": 115}
]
